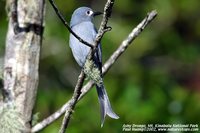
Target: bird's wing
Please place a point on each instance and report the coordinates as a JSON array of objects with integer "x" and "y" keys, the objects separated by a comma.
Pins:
[{"x": 98, "y": 54}]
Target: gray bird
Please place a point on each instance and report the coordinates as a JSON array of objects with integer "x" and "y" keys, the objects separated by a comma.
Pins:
[{"x": 81, "y": 23}]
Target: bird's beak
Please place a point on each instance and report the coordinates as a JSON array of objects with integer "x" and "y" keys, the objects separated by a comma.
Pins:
[{"x": 97, "y": 13}]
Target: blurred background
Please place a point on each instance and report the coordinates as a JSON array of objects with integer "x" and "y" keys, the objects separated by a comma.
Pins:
[{"x": 157, "y": 80}]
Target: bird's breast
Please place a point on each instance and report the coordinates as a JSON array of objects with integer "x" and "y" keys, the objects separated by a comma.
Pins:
[{"x": 80, "y": 51}]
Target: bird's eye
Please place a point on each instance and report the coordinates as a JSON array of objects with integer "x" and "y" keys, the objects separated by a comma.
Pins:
[{"x": 89, "y": 13}]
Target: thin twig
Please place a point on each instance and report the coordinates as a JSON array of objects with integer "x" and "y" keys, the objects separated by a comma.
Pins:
[
  {"x": 103, "y": 28},
  {"x": 113, "y": 58},
  {"x": 67, "y": 25}
]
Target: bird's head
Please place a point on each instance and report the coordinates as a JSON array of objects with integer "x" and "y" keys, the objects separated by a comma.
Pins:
[{"x": 82, "y": 14}]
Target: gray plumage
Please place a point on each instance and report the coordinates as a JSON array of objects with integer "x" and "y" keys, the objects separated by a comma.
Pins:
[{"x": 81, "y": 23}]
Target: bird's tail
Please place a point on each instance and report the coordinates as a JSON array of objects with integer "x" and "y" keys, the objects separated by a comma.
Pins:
[{"x": 105, "y": 106}]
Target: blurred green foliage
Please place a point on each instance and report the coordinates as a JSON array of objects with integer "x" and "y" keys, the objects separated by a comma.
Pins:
[{"x": 157, "y": 80}]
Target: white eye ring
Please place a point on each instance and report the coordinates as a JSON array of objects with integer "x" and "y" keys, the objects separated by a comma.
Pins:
[{"x": 89, "y": 12}]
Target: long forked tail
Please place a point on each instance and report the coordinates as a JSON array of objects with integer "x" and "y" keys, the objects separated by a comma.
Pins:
[{"x": 105, "y": 106}]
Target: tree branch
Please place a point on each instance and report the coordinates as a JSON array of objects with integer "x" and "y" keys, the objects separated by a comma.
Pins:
[
  {"x": 67, "y": 25},
  {"x": 113, "y": 58},
  {"x": 121, "y": 49},
  {"x": 73, "y": 102}
]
